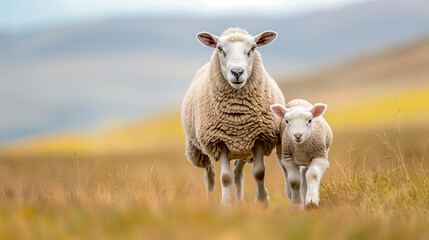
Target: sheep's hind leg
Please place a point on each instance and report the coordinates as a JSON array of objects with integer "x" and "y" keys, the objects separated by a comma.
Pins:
[
  {"x": 225, "y": 177},
  {"x": 198, "y": 159},
  {"x": 313, "y": 176},
  {"x": 238, "y": 178},
  {"x": 209, "y": 178},
  {"x": 287, "y": 186},
  {"x": 279, "y": 157},
  {"x": 259, "y": 175}
]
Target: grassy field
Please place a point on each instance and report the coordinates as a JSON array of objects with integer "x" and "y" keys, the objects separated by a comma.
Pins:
[
  {"x": 134, "y": 182},
  {"x": 377, "y": 187}
]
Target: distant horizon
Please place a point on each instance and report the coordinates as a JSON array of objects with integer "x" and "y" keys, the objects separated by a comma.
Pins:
[{"x": 18, "y": 17}]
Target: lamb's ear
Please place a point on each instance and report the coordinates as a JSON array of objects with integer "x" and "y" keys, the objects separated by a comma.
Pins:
[
  {"x": 318, "y": 109},
  {"x": 279, "y": 110},
  {"x": 208, "y": 39},
  {"x": 265, "y": 38}
]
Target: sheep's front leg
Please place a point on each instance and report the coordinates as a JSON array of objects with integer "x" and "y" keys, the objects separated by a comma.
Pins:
[
  {"x": 313, "y": 176},
  {"x": 259, "y": 174},
  {"x": 238, "y": 178},
  {"x": 225, "y": 177},
  {"x": 209, "y": 178},
  {"x": 294, "y": 181}
]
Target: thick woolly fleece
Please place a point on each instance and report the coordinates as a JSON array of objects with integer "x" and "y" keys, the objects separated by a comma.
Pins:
[
  {"x": 215, "y": 114},
  {"x": 316, "y": 146}
]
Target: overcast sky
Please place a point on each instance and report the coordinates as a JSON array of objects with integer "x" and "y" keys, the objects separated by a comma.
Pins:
[{"x": 18, "y": 15}]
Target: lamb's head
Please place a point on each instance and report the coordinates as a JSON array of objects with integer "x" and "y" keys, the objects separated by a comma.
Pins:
[
  {"x": 299, "y": 120},
  {"x": 236, "y": 50}
]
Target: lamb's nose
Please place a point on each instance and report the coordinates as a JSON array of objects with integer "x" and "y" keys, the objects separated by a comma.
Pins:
[
  {"x": 298, "y": 135},
  {"x": 237, "y": 72}
]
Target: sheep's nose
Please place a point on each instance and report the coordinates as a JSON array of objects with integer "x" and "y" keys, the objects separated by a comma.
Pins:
[
  {"x": 298, "y": 135},
  {"x": 237, "y": 72}
]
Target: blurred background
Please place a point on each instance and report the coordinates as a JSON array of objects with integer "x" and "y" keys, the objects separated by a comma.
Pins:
[
  {"x": 100, "y": 84},
  {"x": 78, "y": 67}
]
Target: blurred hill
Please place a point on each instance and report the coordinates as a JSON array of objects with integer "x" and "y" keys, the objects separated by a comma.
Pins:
[
  {"x": 389, "y": 72},
  {"x": 366, "y": 97},
  {"x": 84, "y": 76}
]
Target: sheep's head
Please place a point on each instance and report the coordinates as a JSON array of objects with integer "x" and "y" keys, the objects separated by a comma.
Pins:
[
  {"x": 299, "y": 120},
  {"x": 236, "y": 50}
]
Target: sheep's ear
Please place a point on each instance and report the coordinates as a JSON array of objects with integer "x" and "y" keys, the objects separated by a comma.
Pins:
[
  {"x": 208, "y": 39},
  {"x": 279, "y": 110},
  {"x": 318, "y": 109},
  {"x": 265, "y": 38}
]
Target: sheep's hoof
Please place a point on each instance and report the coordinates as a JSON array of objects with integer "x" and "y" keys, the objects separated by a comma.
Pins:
[
  {"x": 311, "y": 205},
  {"x": 265, "y": 202},
  {"x": 262, "y": 199}
]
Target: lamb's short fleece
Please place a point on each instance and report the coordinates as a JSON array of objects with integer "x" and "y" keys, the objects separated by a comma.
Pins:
[{"x": 317, "y": 145}]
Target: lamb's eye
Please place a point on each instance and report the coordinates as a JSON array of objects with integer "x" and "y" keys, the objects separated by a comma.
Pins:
[
  {"x": 253, "y": 48},
  {"x": 287, "y": 121},
  {"x": 309, "y": 121},
  {"x": 220, "y": 49}
]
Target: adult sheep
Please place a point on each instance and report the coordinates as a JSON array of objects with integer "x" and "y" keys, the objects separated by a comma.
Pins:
[{"x": 226, "y": 112}]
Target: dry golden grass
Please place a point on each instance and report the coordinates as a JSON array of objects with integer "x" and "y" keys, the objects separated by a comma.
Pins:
[{"x": 375, "y": 191}]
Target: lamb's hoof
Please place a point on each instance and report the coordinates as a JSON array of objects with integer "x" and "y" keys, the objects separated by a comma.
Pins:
[
  {"x": 311, "y": 205},
  {"x": 312, "y": 202},
  {"x": 297, "y": 207}
]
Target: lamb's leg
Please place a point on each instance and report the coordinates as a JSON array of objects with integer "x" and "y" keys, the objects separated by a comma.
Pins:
[
  {"x": 259, "y": 174},
  {"x": 238, "y": 178},
  {"x": 313, "y": 175},
  {"x": 209, "y": 178},
  {"x": 225, "y": 177},
  {"x": 294, "y": 181},
  {"x": 304, "y": 182}
]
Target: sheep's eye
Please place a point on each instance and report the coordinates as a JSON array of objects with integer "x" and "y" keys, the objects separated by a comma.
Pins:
[
  {"x": 253, "y": 48},
  {"x": 287, "y": 121},
  {"x": 220, "y": 49},
  {"x": 309, "y": 121}
]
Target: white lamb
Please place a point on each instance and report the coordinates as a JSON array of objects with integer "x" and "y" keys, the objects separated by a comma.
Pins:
[
  {"x": 226, "y": 115},
  {"x": 305, "y": 143}
]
